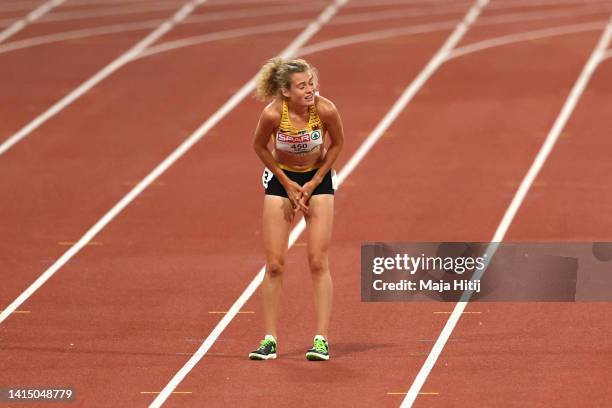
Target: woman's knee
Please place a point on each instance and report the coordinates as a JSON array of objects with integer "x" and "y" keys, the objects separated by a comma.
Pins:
[
  {"x": 318, "y": 264},
  {"x": 275, "y": 268}
]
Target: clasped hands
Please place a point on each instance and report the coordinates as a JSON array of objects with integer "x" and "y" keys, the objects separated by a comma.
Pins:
[{"x": 300, "y": 195}]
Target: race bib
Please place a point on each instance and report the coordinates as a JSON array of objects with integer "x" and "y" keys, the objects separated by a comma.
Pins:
[{"x": 303, "y": 143}]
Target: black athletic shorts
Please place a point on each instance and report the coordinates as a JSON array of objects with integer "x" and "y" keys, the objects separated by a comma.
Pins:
[{"x": 274, "y": 187}]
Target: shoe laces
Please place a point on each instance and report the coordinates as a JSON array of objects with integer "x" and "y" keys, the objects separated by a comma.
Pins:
[
  {"x": 320, "y": 346},
  {"x": 265, "y": 342}
]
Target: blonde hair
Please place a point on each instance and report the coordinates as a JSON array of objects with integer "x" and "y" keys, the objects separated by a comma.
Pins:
[{"x": 276, "y": 75}]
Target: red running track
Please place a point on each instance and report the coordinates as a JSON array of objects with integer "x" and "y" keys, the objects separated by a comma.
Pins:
[{"x": 126, "y": 313}]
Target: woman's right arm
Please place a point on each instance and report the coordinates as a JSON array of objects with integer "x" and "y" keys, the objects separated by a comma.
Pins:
[{"x": 268, "y": 121}]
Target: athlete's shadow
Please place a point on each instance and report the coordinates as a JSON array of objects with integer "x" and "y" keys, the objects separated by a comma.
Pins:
[{"x": 345, "y": 349}]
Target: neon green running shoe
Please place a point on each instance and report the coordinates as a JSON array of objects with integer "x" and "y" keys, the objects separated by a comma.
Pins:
[
  {"x": 319, "y": 350},
  {"x": 266, "y": 350}
]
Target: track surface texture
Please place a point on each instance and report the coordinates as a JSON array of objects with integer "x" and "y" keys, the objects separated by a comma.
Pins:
[{"x": 125, "y": 311}]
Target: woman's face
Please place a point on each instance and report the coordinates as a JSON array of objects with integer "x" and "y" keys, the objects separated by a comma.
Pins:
[{"x": 302, "y": 89}]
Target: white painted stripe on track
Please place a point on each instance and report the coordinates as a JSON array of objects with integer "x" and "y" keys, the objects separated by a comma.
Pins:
[
  {"x": 535, "y": 3},
  {"x": 111, "y": 11},
  {"x": 346, "y": 19},
  {"x": 552, "y": 137},
  {"x": 111, "y": 2},
  {"x": 290, "y": 51},
  {"x": 165, "y": 27},
  {"x": 246, "y": 90},
  {"x": 140, "y": 25},
  {"x": 526, "y": 36},
  {"x": 376, "y": 35},
  {"x": 75, "y": 34},
  {"x": 34, "y": 15},
  {"x": 458, "y": 8},
  {"x": 410, "y": 91},
  {"x": 259, "y": 11},
  {"x": 395, "y": 32},
  {"x": 101, "y": 75},
  {"x": 18, "y": 5},
  {"x": 223, "y": 35},
  {"x": 546, "y": 15}
]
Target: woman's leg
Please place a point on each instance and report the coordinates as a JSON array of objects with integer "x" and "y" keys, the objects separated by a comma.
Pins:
[
  {"x": 277, "y": 220},
  {"x": 320, "y": 223}
]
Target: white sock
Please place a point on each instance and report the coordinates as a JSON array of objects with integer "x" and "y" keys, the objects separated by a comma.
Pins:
[
  {"x": 320, "y": 336},
  {"x": 270, "y": 337}
]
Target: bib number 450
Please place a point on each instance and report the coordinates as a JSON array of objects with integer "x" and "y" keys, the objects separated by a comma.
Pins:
[{"x": 299, "y": 146}]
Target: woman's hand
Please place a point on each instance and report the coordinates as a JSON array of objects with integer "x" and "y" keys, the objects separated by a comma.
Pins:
[
  {"x": 307, "y": 190},
  {"x": 294, "y": 192}
]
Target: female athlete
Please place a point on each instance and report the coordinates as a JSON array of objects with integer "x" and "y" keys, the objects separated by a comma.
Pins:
[{"x": 304, "y": 131}]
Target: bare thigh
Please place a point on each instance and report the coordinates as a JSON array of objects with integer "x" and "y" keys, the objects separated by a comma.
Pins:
[
  {"x": 320, "y": 223},
  {"x": 277, "y": 220}
]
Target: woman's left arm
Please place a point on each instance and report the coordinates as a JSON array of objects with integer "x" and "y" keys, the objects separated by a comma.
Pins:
[{"x": 331, "y": 117}]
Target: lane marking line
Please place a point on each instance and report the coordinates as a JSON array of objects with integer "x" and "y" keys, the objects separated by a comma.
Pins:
[
  {"x": 174, "y": 392},
  {"x": 536, "y": 166},
  {"x": 154, "y": 184},
  {"x": 19, "y": 311},
  {"x": 399, "y": 105},
  {"x": 198, "y": 134},
  {"x": 126, "y": 57},
  {"x": 420, "y": 393},
  {"x": 128, "y": 198},
  {"x": 462, "y": 312},
  {"x": 526, "y": 36},
  {"x": 295, "y": 45},
  {"x": 29, "y": 18},
  {"x": 70, "y": 243},
  {"x": 401, "y": 31},
  {"x": 409, "y": 93},
  {"x": 208, "y": 354},
  {"x": 242, "y": 311},
  {"x": 236, "y": 33},
  {"x": 223, "y": 35},
  {"x": 76, "y": 34},
  {"x": 111, "y": 11}
]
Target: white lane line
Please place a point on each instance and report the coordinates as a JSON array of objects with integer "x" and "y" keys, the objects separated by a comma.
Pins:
[
  {"x": 458, "y": 7},
  {"x": 374, "y": 3},
  {"x": 18, "y": 5},
  {"x": 526, "y": 36},
  {"x": 437, "y": 60},
  {"x": 75, "y": 34},
  {"x": 223, "y": 35},
  {"x": 290, "y": 51},
  {"x": 533, "y": 3},
  {"x": 546, "y": 15},
  {"x": 235, "y": 2},
  {"x": 111, "y": 2},
  {"x": 377, "y": 35},
  {"x": 111, "y": 11},
  {"x": 246, "y": 90},
  {"x": 29, "y": 18},
  {"x": 410, "y": 91},
  {"x": 398, "y": 31},
  {"x": 91, "y": 233},
  {"x": 259, "y": 11},
  {"x": 346, "y": 19},
  {"x": 120, "y": 28},
  {"x": 101, "y": 75},
  {"x": 577, "y": 90}
]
